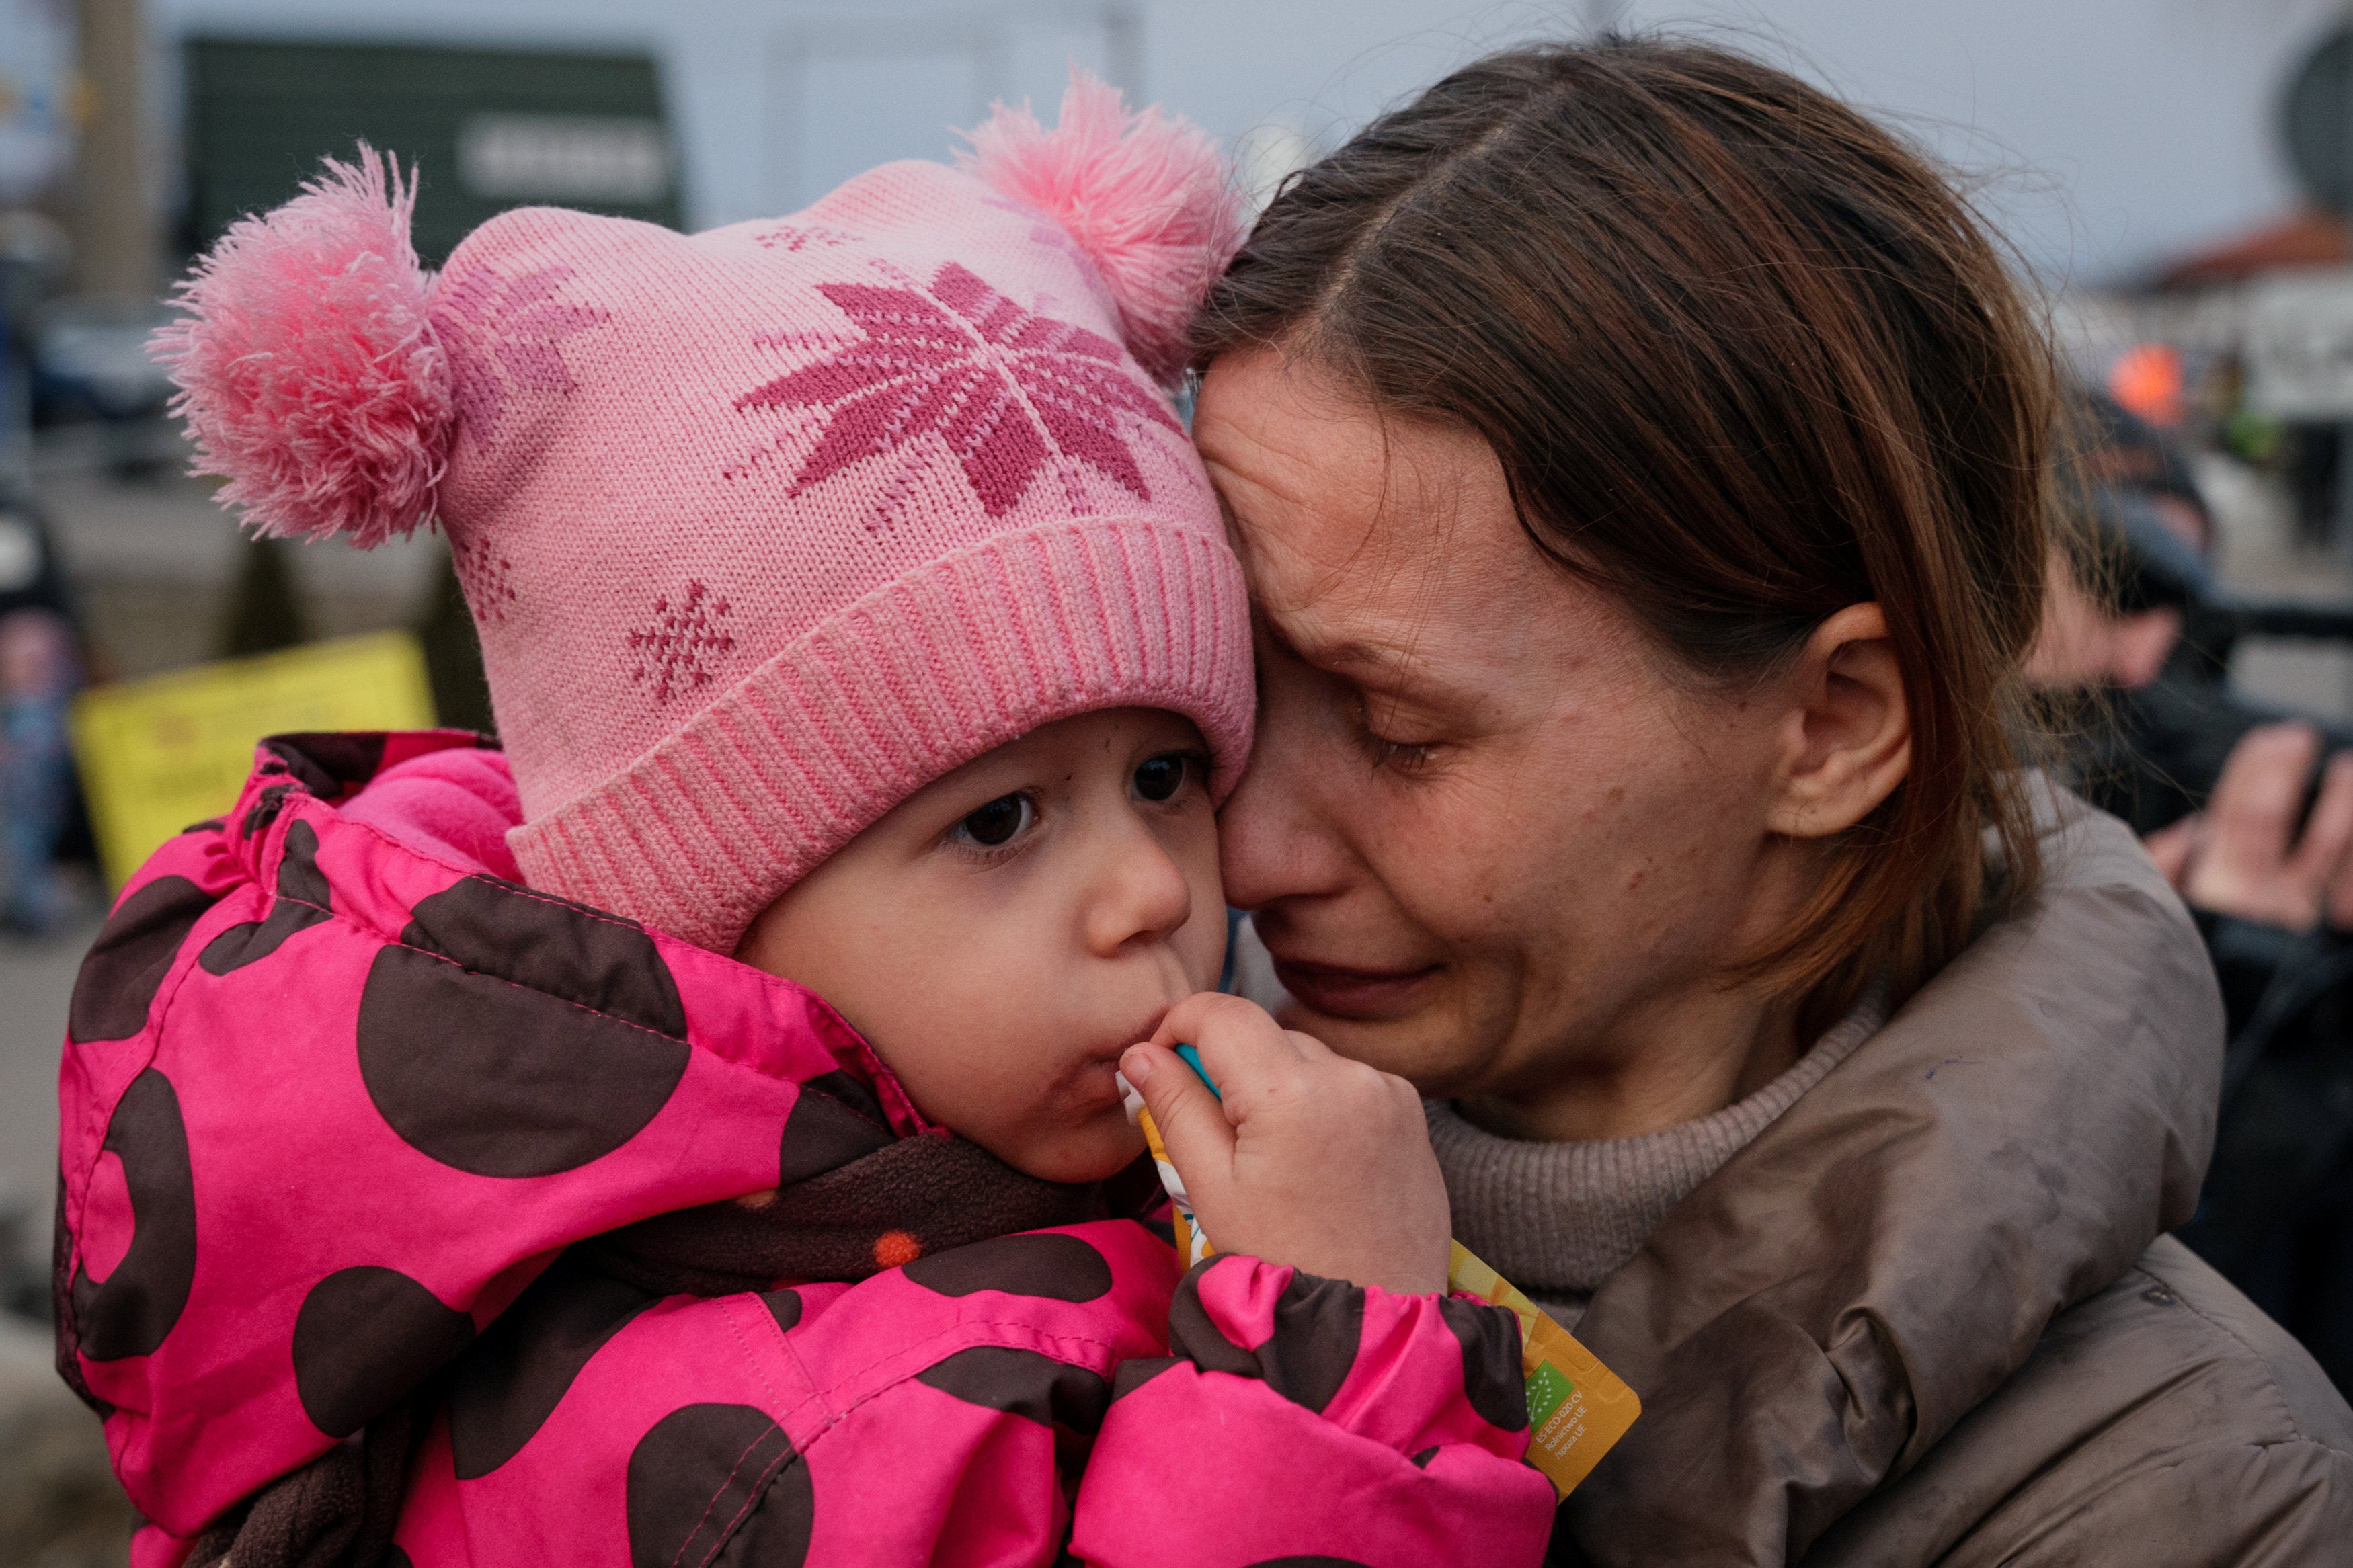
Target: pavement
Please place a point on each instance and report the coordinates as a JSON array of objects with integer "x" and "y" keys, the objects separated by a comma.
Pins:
[
  {"x": 59, "y": 1504},
  {"x": 36, "y": 980}
]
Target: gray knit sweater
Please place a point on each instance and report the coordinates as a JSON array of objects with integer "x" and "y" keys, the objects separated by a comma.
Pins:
[{"x": 1558, "y": 1218}]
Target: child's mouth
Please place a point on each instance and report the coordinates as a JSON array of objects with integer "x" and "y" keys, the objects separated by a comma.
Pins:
[{"x": 1091, "y": 1085}]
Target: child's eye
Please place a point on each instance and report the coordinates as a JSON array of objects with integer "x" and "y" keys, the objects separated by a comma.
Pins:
[
  {"x": 1159, "y": 778},
  {"x": 999, "y": 822}
]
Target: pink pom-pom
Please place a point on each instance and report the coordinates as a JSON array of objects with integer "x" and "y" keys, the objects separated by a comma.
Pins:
[
  {"x": 1149, "y": 199},
  {"x": 309, "y": 375}
]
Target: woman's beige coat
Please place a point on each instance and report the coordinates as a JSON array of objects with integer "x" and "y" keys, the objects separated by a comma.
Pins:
[{"x": 1931, "y": 1316}]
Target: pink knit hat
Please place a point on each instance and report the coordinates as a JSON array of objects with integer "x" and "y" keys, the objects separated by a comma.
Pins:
[{"x": 766, "y": 528}]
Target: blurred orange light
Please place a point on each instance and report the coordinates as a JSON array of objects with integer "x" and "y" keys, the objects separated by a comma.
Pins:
[{"x": 2147, "y": 380}]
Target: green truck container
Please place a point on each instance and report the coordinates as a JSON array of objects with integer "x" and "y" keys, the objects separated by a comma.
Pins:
[{"x": 486, "y": 130}]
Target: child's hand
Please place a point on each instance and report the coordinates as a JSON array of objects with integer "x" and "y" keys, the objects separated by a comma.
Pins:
[{"x": 1311, "y": 1159}]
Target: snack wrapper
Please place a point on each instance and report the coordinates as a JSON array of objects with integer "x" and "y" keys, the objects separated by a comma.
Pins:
[
  {"x": 1191, "y": 1245},
  {"x": 1578, "y": 1408}
]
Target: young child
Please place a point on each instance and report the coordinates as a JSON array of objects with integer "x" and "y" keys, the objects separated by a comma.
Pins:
[{"x": 459, "y": 1166}]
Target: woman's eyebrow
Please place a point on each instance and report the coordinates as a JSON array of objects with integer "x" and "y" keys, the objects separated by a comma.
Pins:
[
  {"x": 1364, "y": 656},
  {"x": 1357, "y": 654},
  {"x": 1380, "y": 663},
  {"x": 1345, "y": 653}
]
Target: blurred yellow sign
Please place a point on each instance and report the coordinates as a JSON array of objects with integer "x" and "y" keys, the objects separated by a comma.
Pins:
[{"x": 160, "y": 753}]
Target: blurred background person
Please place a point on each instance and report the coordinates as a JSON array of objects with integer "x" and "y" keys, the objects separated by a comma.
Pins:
[
  {"x": 39, "y": 673},
  {"x": 2248, "y": 808}
]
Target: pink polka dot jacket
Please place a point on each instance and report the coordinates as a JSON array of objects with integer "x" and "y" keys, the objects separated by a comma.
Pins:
[{"x": 397, "y": 1196}]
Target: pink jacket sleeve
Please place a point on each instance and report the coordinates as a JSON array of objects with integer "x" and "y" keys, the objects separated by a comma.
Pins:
[
  {"x": 947, "y": 1412},
  {"x": 1302, "y": 1418}
]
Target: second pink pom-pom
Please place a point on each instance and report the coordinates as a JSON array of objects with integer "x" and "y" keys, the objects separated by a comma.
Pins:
[{"x": 1149, "y": 199}]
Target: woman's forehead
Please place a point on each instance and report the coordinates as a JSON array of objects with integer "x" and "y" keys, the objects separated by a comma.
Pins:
[{"x": 1358, "y": 531}]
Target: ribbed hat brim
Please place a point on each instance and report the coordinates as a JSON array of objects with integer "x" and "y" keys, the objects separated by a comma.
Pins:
[{"x": 709, "y": 827}]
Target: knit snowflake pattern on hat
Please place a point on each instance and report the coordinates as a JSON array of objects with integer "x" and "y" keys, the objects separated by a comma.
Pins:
[
  {"x": 792, "y": 238},
  {"x": 486, "y": 577},
  {"x": 681, "y": 648},
  {"x": 1006, "y": 389},
  {"x": 512, "y": 341}
]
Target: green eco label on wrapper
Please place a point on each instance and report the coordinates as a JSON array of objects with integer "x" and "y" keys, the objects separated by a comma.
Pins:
[{"x": 1547, "y": 1389}]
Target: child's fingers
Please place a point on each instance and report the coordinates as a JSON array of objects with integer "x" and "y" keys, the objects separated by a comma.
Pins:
[
  {"x": 1193, "y": 1126},
  {"x": 1238, "y": 1041}
]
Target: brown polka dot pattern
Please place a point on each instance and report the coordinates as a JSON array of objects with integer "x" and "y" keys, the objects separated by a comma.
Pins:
[
  {"x": 1048, "y": 1265},
  {"x": 711, "y": 1483},
  {"x": 364, "y": 1338},
  {"x": 1023, "y": 1382},
  {"x": 1131, "y": 1376},
  {"x": 490, "y": 1077},
  {"x": 541, "y": 942},
  {"x": 514, "y": 1376},
  {"x": 130, "y": 1313},
  {"x": 1318, "y": 1324},
  {"x": 303, "y": 900},
  {"x": 134, "y": 952},
  {"x": 61, "y": 1310},
  {"x": 1493, "y": 1376},
  {"x": 784, "y": 1306},
  {"x": 330, "y": 764},
  {"x": 264, "y": 810},
  {"x": 824, "y": 1133}
]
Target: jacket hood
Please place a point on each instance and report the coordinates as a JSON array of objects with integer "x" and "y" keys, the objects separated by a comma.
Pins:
[{"x": 1821, "y": 1312}]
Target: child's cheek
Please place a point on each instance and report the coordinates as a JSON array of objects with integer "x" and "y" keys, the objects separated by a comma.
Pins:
[{"x": 1093, "y": 1152}]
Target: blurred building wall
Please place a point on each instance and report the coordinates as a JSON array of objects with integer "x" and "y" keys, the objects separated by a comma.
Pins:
[
  {"x": 115, "y": 188},
  {"x": 2121, "y": 131}
]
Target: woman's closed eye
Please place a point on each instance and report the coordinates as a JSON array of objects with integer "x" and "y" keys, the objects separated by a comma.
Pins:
[
  {"x": 1390, "y": 754},
  {"x": 997, "y": 825}
]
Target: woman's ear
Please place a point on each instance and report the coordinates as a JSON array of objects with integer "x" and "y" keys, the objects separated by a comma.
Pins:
[{"x": 1846, "y": 739}]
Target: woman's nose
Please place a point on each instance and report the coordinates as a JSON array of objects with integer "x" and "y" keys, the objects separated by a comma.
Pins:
[{"x": 1273, "y": 839}]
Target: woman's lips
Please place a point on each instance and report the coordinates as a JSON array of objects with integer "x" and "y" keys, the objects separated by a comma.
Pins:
[{"x": 1366, "y": 995}]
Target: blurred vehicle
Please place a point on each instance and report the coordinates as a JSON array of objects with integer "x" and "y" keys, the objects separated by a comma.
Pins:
[
  {"x": 89, "y": 351},
  {"x": 484, "y": 129},
  {"x": 89, "y": 363}
]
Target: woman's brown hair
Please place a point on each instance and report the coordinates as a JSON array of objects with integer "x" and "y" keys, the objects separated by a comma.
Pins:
[{"x": 1746, "y": 359}]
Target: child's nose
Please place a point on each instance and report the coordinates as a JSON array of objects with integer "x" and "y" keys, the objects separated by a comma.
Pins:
[{"x": 1143, "y": 896}]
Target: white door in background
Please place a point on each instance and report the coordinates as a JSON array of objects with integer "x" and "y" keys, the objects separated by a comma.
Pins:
[{"x": 852, "y": 89}]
